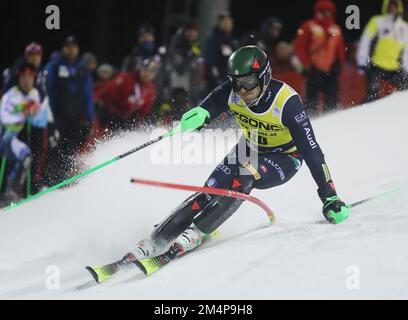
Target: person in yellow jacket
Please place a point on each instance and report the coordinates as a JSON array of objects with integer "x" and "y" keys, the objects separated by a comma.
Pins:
[{"x": 383, "y": 49}]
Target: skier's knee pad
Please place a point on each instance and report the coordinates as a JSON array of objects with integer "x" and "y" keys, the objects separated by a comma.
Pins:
[{"x": 180, "y": 219}]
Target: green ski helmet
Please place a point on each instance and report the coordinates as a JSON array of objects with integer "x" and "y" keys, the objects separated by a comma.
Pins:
[{"x": 249, "y": 67}]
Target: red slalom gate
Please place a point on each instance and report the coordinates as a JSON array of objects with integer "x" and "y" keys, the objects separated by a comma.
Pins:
[{"x": 213, "y": 191}]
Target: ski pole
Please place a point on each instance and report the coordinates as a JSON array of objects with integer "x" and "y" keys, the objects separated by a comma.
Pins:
[
  {"x": 359, "y": 203},
  {"x": 213, "y": 191},
  {"x": 83, "y": 174},
  {"x": 191, "y": 121}
]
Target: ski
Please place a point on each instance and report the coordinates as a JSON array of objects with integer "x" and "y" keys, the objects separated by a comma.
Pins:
[{"x": 147, "y": 266}]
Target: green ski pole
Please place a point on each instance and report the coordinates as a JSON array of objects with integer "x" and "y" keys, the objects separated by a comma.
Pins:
[
  {"x": 83, "y": 174},
  {"x": 190, "y": 121}
]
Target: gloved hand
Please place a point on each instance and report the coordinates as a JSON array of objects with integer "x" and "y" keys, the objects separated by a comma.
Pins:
[
  {"x": 194, "y": 119},
  {"x": 334, "y": 210}
]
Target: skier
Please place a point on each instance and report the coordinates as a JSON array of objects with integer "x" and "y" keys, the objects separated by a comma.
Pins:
[
  {"x": 19, "y": 105},
  {"x": 276, "y": 128}
]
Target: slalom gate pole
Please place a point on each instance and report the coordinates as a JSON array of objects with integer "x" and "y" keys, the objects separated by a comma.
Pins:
[
  {"x": 28, "y": 170},
  {"x": 2, "y": 171},
  {"x": 213, "y": 191},
  {"x": 83, "y": 174}
]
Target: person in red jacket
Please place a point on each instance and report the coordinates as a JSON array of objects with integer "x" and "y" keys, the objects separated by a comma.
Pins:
[
  {"x": 320, "y": 49},
  {"x": 129, "y": 97}
]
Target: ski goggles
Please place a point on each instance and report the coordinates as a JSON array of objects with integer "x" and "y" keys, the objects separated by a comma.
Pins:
[{"x": 248, "y": 82}]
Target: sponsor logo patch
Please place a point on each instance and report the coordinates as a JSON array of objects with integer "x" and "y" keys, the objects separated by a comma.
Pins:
[
  {"x": 297, "y": 162},
  {"x": 263, "y": 168},
  {"x": 196, "y": 206},
  {"x": 212, "y": 183},
  {"x": 224, "y": 168},
  {"x": 255, "y": 123},
  {"x": 256, "y": 65},
  {"x": 277, "y": 167},
  {"x": 276, "y": 112},
  {"x": 235, "y": 183},
  {"x": 301, "y": 117},
  {"x": 252, "y": 170},
  {"x": 312, "y": 143},
  {"x": 235, "y": 98}
]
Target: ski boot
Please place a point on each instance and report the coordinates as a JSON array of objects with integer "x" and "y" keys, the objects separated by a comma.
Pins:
[{"x": 188, "y": 241}]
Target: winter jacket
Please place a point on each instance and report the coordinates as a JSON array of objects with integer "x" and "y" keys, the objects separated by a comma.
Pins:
[
  {"x": 185, "y": 66},
  {"x": 219, "y": 47},
  {"x": 125, "y": 96},
  {"x": 70, "y": 89},
  {"x": 384, "y": 43},
  {"x": 319, "y": 43},
  {"x": 12, "y": 104}
]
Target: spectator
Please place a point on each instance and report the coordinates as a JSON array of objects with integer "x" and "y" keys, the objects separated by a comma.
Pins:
[
  {"x": 271, "y": 32},
  {"x": 251, "y": 38},
  {"x": 268, "y": 39},
  {"x": 129, "y": 97},
  {"x": 36, "y": 136},
  {"x": 145, "y": 48},
  {"x": 218, "y": 48},
  {"x": 18, "y": 105},
  {"x": 105, "y": 73},
  {"x": 383, "y": 49},
  {"x": 70, "y": 89},
  {"x": 33, "y": 54},
  {"x": 320, "y": 47},
  {"x": 90, "y": 63},
  {"x": 185, "y": 67}
]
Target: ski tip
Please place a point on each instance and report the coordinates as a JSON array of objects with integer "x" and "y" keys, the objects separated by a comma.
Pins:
[
  {"x": 93, "y": 273},
  {"x": 215, "y": 234}
]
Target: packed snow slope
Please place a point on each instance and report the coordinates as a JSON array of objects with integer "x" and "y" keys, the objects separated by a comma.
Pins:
[{"x": 99, "y": 219}]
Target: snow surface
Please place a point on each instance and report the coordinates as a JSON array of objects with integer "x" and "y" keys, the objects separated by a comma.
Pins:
[{"x": 98, "y": 220}]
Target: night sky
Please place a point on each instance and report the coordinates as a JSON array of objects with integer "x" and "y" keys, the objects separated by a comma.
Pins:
[{"x": 108, "y": 27}]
